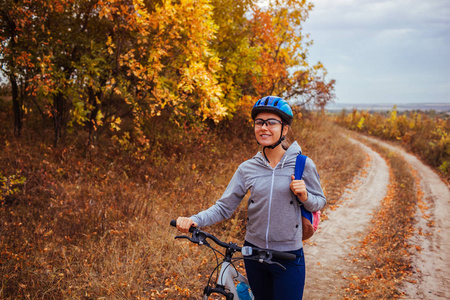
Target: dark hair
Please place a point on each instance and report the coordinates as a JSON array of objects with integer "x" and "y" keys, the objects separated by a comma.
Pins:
[{"x": 286, "y": 143}]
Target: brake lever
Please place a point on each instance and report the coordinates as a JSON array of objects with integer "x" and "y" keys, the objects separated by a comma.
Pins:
[
  {"x": 186, "y": 237},
  {"x": 197, "y": 237},
  {"x": 269, "y": 262},
  {"x": 266, "y": 257}
]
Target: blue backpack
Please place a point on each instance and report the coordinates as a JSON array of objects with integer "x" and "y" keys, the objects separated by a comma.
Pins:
[{"x": 310, "y": 220}]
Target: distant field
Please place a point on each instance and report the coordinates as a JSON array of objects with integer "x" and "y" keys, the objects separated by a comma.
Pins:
[{"x": 445, "y": 107}]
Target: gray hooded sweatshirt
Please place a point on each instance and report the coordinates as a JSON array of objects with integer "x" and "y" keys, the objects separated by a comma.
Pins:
[{"x": 274, "y": 217}]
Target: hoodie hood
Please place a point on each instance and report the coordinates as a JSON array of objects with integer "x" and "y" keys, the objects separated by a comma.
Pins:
[{"x": 289, "y": 157}]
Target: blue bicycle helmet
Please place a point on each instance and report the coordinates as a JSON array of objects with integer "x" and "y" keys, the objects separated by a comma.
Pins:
[{"x": 276, "y": 105}]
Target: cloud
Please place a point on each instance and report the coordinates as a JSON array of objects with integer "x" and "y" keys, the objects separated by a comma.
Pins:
[
  {"x": 369, "y": 13},
  {"x": 379, "y": 48}
]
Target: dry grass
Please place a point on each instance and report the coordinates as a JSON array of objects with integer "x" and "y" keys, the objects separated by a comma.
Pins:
[{"x": 94, "y": 224}]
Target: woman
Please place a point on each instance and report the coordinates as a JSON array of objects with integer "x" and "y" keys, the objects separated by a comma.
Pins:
[{"x": 274, "y": 218}]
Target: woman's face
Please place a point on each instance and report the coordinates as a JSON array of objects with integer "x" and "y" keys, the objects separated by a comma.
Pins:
[{"x": 268, "y": 128}]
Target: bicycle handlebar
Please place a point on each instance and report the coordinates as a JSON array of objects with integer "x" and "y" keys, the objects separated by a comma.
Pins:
[
  {"x": 199, "y": 237},
  {"x": 174, "y": 224}
]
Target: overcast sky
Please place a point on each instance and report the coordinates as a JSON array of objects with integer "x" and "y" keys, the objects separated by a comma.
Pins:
[{"x": 383, "y": 51}]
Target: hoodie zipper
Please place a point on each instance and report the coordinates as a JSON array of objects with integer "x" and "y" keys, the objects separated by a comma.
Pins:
[
  {"x": 270, "y": 206},
  {"x": 270, "y": 197}
]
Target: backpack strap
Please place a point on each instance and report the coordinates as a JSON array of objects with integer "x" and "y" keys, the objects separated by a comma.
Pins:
[
  {"x": 300, "y": 166},
  {"x": 298, "y": 174}
]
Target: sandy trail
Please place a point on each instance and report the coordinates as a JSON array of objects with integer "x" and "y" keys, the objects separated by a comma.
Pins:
[{"x": 327, "y": 253}]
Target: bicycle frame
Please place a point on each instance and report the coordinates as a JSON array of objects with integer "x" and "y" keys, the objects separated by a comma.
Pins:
[
  {"x": 226, "y": 282},
  {"x": 228, "y": 274}
]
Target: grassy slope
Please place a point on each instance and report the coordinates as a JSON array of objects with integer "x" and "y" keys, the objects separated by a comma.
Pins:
[{"x": 94, "y": 223}]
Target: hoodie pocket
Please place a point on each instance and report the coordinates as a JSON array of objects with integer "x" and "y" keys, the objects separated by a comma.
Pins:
[
  {"x": 285, "y": 220},
  {"x": 257, "y": 218}
]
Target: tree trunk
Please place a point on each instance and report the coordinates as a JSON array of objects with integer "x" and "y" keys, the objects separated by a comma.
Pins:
[
  {"x": 17, "y": 107},
  {"x": 59, "y": 112},
  {"x": 94, "y": 111}
]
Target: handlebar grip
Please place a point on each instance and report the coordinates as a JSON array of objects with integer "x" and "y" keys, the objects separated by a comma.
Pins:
[
  {"x": 284, "y": 255},
  {"x": 174, "y": 224}
]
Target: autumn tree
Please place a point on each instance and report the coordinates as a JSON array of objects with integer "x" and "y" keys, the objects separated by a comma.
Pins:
[
  {"x": 158, "y": 59},
  {"x": 232, "y": 44},
  {"x": 277, "y": 30},
  {"x": 16, "y": 52},
  {"x": 154, "y": 56},
  {"x": 93, "y": 63},
  {"x": 310, "y": 88},
  {"x": 41, "y": 43}
]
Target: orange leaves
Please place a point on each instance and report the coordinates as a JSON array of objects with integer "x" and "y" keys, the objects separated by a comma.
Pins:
[
  {"x": 194, "y": 60},
  {"x": 283, "y": 68},
  {"x": 173, "y": 65}
]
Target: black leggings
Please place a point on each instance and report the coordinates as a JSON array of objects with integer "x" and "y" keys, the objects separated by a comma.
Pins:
[{"x": 270, "y": 282}]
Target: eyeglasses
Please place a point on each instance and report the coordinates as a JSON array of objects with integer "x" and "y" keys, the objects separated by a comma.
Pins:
[{"x": 270, "y": 123}]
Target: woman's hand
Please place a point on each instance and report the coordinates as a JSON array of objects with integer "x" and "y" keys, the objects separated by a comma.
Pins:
[
  {"x": 183, "y": 224},
  {"x": 298, "y": 187}
]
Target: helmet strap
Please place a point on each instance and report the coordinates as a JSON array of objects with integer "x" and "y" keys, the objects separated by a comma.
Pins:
[{"x": 282, "y": 138}]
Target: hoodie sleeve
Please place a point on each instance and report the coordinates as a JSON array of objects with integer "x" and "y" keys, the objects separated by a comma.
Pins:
[
  {"x": 226, "y": 205},
  {"x": 316, "y": 199}
]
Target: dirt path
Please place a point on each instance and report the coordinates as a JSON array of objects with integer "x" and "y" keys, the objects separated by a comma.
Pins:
[
  {"x": 432, "y": 263},
  {"x": 327, "y": 253}
]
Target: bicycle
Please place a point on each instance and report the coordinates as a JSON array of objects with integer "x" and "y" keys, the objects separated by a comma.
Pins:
[{"x": 228, "y": 274}]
